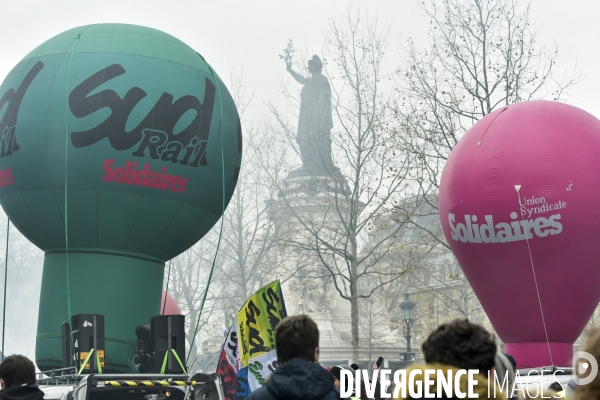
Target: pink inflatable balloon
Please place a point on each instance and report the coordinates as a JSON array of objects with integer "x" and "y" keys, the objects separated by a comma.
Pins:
[
  {"x": 171, "y": 307},
  {"x": 521, "y": 193}
]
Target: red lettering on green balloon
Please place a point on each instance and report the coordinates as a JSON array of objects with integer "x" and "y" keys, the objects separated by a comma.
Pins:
[
  {"x": 6, "y": 177},
  {"x": 131, "y": 175}
]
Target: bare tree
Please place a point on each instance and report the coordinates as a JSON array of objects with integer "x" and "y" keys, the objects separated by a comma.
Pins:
[
  {"x": 187, "y": 284},
  {"x": 328, "y": 214},
  {"x": 434, "y": 270},
  {"x": 374, "y": 327},
  {"x": 243, "y": 262},
  {"x": 482, "y": 55},
  {"x": 249, "y": 232}
]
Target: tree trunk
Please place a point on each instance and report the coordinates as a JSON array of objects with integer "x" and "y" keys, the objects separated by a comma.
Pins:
[
  {"x": 354, "y": 321},
  {"x": 240, "y": 248},
  {"x": 466, "y": 299},
  {"x": 354, "y": 312},
  {"x": 194, "y": 350}
]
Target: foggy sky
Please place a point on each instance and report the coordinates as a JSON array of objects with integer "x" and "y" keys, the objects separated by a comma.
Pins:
[{"x": 249, "y": 35}]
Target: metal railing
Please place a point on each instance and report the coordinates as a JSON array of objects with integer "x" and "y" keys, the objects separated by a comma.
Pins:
[{"x": 60, "y": 376}]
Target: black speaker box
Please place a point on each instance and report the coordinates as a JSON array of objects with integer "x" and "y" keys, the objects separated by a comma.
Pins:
[
  {"x": 168, "y": 332},
  {"x": 88, "y": 334},
  {"x": 67, "y": 345}
]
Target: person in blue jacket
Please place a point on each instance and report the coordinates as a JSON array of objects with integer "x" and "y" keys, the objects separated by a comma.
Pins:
[{"x": 298, "y": 376}]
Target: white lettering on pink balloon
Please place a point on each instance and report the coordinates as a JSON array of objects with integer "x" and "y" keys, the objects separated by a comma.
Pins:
[{"x": 487, "y": 232}]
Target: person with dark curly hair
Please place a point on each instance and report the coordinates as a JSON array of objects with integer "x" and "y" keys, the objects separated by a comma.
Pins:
[
  {"x": 459, "y": 345},
  {"x": 17, "y": 378}
]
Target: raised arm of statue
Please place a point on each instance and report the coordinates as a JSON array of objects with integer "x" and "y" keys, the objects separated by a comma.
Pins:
[{"x": 299, "y": 78}]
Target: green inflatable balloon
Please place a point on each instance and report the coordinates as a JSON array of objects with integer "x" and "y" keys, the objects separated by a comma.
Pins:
[{"x": 118, "y": 142}]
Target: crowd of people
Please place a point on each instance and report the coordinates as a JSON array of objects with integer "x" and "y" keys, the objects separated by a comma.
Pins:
[{"x": 452, "y": 347}]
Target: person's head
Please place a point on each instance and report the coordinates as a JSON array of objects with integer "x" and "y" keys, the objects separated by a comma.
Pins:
[
  {"x": 16, "y": 370},
  {"x": 315, "y": 65},
  {"x": 461, "y": 344},
  {"x": 297, "y": 337}
]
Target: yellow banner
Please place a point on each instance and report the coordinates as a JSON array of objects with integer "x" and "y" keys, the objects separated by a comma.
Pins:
[{"x": 257, "y": 320}]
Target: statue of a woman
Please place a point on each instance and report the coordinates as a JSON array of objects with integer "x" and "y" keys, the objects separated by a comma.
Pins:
[{"x": 315, "y": 121}]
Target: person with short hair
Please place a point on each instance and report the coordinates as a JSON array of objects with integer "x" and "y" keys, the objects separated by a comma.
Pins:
[
  {"x": 298, "y": 375},
  {"x": 17, "y": 379},
  {"x": 457, "y": 345}
]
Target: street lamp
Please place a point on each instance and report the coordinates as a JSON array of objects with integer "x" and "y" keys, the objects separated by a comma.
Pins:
[{"x": 407, "y": 306}]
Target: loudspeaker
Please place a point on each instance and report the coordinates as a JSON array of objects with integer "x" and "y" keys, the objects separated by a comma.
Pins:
[
  {"x": 88, "y": 334},
  {"x": 65, "y": 330},
  {"x": 168, "y": 332}
]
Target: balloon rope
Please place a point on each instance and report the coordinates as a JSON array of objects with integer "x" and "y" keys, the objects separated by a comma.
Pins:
[
  {"x": 167, "y": 289},
  {"x": 66, "y": 181},
  {"x": 518, "y": 189},
  {"x": 5, "y": 282},
  {"x": 212, "y": 268}
]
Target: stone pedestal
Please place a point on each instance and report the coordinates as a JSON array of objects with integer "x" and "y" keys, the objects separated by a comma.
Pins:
[{"x": 318, "y": 199}]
